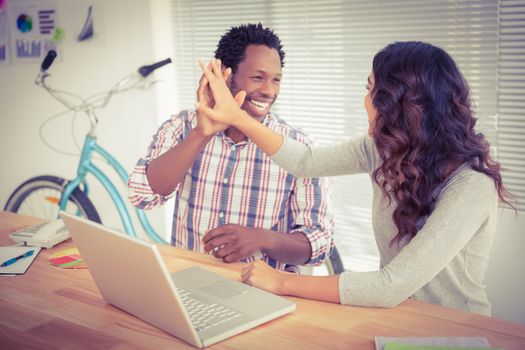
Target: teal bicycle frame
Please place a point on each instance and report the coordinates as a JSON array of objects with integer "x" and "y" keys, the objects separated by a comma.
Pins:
[{"x": 86, "y": 166}]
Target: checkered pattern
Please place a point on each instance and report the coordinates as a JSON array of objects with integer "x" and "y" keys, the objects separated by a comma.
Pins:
[{"x": 237, "y": 184}]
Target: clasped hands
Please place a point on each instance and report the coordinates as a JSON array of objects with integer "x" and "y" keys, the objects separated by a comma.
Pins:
[{"x": 216, "y": 106}]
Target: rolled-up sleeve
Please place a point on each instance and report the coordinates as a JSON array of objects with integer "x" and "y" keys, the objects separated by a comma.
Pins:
[
  {"x": 312, "y": 215},
  {"x": 169, "y": 134},
  {"x": 311, "y": 209}
]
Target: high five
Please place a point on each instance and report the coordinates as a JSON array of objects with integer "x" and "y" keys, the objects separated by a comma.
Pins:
[{"x": 436, "y": 187}]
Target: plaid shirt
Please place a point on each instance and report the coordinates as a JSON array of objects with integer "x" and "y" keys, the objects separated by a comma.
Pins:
[{"x": 233, "y": 183}]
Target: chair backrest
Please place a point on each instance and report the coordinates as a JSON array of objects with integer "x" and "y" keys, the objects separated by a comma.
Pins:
[{"x": 334, "y": 263}]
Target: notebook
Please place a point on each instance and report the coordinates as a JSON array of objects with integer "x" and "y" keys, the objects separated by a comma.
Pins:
[
  {"x": 384, "y": 343},
  {"x": 195, "y": 305},
  {"x": 21, "y": 264}
]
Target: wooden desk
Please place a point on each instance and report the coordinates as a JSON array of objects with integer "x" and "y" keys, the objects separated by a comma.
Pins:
[{"x": 52, "y": 308}]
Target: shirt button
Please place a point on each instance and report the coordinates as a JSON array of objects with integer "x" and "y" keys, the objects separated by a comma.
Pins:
[
  {"x": 221, "y": 214},
  {"x": 225, "y": 181}
]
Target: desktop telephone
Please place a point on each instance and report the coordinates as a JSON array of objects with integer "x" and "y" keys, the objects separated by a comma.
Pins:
[{"x": 45, "y": 235}]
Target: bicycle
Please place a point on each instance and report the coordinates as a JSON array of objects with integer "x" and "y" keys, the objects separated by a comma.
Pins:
[{"x": 44, "y": 196}]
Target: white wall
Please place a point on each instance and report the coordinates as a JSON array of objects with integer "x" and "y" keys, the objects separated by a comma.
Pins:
[
  {"x": 505, "y": 277},
  {"x": 122, "y": 43}
]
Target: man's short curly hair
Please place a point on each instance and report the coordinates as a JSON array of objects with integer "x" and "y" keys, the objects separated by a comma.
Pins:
[{"x": 231, "y": 49}]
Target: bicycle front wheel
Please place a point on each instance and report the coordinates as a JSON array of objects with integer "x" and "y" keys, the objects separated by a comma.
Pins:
[{"x": 40, "y": 197}]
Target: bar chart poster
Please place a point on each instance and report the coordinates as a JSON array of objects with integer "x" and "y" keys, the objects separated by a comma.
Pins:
[
  {"x": 32, "y": 29},
  {"x": 4, "y": 33}
]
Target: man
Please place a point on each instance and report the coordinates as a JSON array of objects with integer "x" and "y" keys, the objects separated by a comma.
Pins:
[{"x": 230, "y": 198}]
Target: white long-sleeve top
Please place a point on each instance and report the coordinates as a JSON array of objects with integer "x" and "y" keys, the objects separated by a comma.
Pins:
[{"x": 445, "y": 263}]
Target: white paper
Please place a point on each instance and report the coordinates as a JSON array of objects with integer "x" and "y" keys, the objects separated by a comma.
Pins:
[{"x": 21, "y": 265}]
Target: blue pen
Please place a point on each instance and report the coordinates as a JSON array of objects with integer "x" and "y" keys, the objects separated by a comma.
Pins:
[{"x": 15, "y": 259}]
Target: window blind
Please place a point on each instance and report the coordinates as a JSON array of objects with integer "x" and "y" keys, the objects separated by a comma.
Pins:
[
  {"x": 511, "y": 96},
  {"x": 329, "y": 47}
]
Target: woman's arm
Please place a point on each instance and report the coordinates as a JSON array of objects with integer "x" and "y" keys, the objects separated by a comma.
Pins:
[
  {"x": 462, "y": 212},
  {"x": 297, "y": 158},
  {"x": 324, "y": 288}
]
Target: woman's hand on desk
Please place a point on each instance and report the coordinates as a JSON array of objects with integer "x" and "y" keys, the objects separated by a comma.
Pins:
[{"x": 260, "y": 275}]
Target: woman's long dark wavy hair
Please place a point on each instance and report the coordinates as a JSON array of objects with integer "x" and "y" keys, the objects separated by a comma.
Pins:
[{"x": 423, "y": 129}]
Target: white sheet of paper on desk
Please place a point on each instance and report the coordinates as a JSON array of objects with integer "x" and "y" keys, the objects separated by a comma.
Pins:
[
  {"x": 21, "y": 265},
  {"x": 478, "y": 342}
]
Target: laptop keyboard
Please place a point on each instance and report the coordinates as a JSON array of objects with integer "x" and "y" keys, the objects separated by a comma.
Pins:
[{"x": 203, "y": 314}]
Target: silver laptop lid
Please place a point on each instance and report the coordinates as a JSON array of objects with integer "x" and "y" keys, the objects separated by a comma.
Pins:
[{"x": 141, "y": 286}]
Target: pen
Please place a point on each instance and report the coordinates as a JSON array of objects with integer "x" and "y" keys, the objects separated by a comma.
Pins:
[{"x": 15, "y": 259}]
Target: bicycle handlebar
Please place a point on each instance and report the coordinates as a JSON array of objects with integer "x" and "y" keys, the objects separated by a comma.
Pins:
[
  {"x": 97, "y": 101},
  {"x": 131, "y": 81},
  {"x": 48, "y": 60},
  {"x": 147, "y": 70},
  {"x": 144, "y": 70}
]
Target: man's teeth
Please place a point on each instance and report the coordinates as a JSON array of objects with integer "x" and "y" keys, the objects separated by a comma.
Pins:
[{"x": 261, "y": 106}]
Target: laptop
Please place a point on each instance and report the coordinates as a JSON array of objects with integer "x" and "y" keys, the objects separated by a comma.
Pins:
[{"x": 195, "y": 305}]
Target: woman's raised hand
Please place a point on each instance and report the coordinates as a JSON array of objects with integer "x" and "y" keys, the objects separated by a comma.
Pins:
[
  {"x": 226, "y": 107},
  {"x": 207, "y": 126}
]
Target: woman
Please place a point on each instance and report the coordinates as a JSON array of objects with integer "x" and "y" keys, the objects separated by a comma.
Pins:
[{"x": 435, "y": 186}]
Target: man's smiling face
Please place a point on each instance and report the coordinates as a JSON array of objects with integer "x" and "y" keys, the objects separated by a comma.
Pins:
[{"x": 259, "y": 74}]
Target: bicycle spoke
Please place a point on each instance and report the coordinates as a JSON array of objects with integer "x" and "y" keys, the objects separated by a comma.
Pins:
[
  {"x": 38, "y": 204},
  {"x": 40, "y": 197}
]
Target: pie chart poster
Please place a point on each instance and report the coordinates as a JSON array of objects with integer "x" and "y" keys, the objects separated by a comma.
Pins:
[
  {"x": 32, "y": 29},
  {"x": 4, "y": 33}
]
